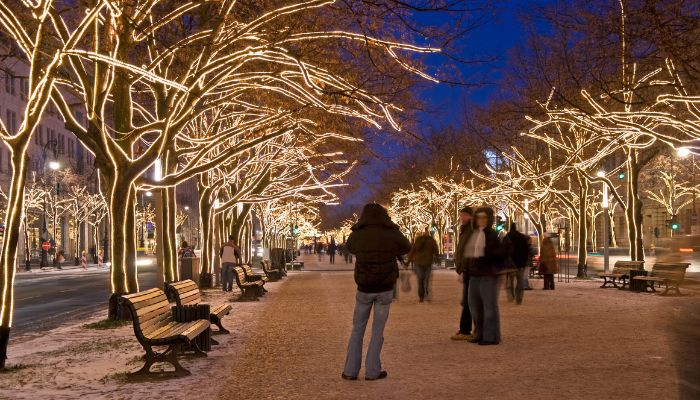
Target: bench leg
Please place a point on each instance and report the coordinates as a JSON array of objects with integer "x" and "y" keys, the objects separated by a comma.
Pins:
[
  {"x": 673, "y": 287},
  {"x": 169, "y": 356},
  {"x": 652, "y": 286},
  {"x": 197, "y": 351},
  {"x": 217, "y": 321},
  {"x": 248, "y": 295}
]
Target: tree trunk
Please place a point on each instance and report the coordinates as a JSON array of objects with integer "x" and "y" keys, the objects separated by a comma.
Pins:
[
  {"x": 8, "y": 254},
  {"x": 168, "y": 235},
  {"x": 206, "y": 232},
  {"x": 582, "y": 267},
  {"x": 634, "y": 209},
  {"x": 123, "y": 242}
]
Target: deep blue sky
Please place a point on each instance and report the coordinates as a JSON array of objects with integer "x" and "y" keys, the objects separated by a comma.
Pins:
[{"x": 500, "y": 31}]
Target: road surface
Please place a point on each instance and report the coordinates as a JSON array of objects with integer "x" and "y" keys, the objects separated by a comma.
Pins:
[{"x": 44, "y": 300}]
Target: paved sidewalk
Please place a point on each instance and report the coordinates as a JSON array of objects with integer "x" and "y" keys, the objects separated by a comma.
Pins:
[{"x": 577, "y": 342}]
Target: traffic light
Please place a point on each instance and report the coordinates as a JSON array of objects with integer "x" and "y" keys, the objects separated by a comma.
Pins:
[
  {"x": 621, "y": 175},
  {"x": 673, "y": 223},
  {"x": 500, "y": 224},
  {"x": 295, "y": 231}
]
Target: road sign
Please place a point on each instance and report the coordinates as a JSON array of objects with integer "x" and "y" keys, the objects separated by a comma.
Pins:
[{"x": 46, "y": 245}]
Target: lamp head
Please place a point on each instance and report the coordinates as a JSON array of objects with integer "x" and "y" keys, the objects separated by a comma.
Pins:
[
  {"x": 601, "y": 174},
  {"x": 54, "y": 165},
  {"x": 683, "y": 152},
  {"x": 149, "y": 193}
]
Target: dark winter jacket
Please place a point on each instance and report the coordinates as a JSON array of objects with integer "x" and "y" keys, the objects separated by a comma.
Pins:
[
  {"x": 464, "y": 232},
  {"x": 376, "y": 242},
  {"x": 495, "y": 252},
  {"x": 423, "y": 251},
  {"x": 521, "y": 248},
  {"x": 494, "y": 257}
]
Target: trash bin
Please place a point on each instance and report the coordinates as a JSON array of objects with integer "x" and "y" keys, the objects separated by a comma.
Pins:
[
  {"x": 189, "y": 269},
  {"x": 637, "y": 286}
]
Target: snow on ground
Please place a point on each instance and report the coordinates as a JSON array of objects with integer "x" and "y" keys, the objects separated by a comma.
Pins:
[{"x": 577, "y": 342}]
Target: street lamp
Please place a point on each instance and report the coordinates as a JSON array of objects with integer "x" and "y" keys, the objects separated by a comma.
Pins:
[
  {"x": 606, "y": 228},
  {"x": 53, "y": 165}
]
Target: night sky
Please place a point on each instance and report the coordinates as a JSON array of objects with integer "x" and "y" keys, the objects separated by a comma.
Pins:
[{"x": 499, "y": 30}]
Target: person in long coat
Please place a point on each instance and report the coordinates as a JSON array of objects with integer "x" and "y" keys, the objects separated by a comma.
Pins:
[
  {"x": 548, "y": 262},
  {"x": 422, "y": 254}
]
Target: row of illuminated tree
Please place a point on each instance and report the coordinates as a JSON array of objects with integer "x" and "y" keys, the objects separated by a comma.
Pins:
[
  {"x": 255, "y": 102},
  {"x": 573, "y": 165}
]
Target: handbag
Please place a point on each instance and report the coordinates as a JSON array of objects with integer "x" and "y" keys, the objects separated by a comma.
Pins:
[{"x": 405, "y": 278}]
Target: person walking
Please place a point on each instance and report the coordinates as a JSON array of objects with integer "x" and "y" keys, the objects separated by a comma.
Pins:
[
  {"x": 485, "y": 257},
  {"x": 332, "y": 248},
  {"x": 376, "y": 242},
  {"x": 465, "y": 230},
  {"x": 230, "y": 254},
  {"x": 319, "y": 251},
  {"x": 184, "y": 250},
  {"x": 520, "y": 256},
  {"x": 422, "y": 254},
  {"x": 548, "y": 262}
]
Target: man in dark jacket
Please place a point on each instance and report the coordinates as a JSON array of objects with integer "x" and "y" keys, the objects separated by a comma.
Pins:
[
  {"x": 520, "y": 246},
  {"x": 376, "y": 242},
  {"x": 465, "y": 230},
  {"x": 422, "y": 255}
]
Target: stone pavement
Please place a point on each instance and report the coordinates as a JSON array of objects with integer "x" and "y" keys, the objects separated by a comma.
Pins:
[{"x": 577, "y": 342}]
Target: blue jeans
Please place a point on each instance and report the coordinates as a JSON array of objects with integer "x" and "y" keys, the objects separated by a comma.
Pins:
[
  {"x": 227, "y": 276},
  {"x": 423, "y": 273},
  {"x": 364, "y": 302},
  {"x": 483, "y": 304}
]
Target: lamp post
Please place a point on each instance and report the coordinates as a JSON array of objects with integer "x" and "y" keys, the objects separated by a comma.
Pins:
[
  {"x": 606, "y": 228},
  {"x": 53, "y": 165}
]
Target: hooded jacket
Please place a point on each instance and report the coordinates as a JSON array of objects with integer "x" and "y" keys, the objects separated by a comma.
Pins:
[
  {"x": 464, "y": 232},
  {"x": 376, "y": 242},
  {"x": 423, "y": 251}
]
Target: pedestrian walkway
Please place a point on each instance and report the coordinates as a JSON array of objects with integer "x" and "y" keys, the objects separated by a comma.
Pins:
[
  {"x": 577, "y": 342},
  {"x": 312, "y": 262}
]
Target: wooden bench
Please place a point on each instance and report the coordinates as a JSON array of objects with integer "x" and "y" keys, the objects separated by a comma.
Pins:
[
  {"x": 186, "y": 293},
  {"x": 252, "y": 276},
  {"x": 251, "y": 289},
  {"x": 620, "y": 273},
  {"x": 295, "y": 265},
  {"x": 154, "y": 326},
  {"x": 272, "y": 274},
  {"x": 670, "y": 274}
]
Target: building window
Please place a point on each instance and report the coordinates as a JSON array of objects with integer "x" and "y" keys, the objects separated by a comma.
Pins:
[
  {"x": 1, "y": 154},
  {"x": 23, "y": 88},
  {"x": 9, "y": 83},
  {"x": 61, "y": 144},
  {"x": 11, "y": 122}
]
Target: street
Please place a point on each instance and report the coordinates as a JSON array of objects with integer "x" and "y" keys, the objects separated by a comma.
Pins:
[{"x": 44, "y": 300}]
